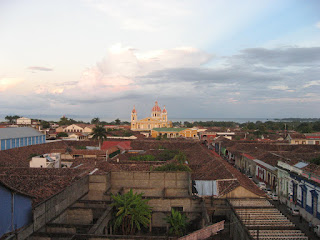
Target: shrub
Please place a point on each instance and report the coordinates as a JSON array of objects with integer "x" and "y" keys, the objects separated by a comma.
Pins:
[
  {"x": 62, "y": 134},
  {"x": 143, "y": 158},
  {"x": 167, "y": 155},
  {"x": 173, "y": 167},
  {"x": 178, "y": 223},
  {"x": 316, "y": 160}
]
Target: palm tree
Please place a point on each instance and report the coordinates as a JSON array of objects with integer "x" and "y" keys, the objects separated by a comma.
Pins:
[
  {"x": 178, "y": 223},
  {"x": 132, "y": 212},
  {"x": 99, "y": 133},
  {"x": 95, "y": 120}
]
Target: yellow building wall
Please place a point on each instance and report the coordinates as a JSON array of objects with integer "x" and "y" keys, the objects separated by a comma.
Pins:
[{"x": 188, "y": 133}]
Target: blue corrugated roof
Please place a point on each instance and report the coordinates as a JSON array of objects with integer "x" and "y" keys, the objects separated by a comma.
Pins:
[{"x": 18, "y": 132}]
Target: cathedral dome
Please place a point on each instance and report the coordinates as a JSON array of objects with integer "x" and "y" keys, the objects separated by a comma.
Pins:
[{"x": 156, "y": 108}]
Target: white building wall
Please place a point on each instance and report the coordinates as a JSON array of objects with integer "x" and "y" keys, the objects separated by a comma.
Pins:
[{"x": 37, "y": 162}]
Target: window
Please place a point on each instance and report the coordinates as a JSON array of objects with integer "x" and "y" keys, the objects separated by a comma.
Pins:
[{"x": 179, "y": 209}]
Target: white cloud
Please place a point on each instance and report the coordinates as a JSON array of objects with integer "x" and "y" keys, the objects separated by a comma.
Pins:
[
  {"x": 279, "y": 87},
  {"x": 312, "y": 83},
  {"x": 318, "y": 24},
  {"x": 7, "y": 83},
  {"x": 121, "y": 67}
]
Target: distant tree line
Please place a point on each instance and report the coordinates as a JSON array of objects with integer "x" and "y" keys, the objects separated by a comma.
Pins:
[{"x": 260, "y": 127}]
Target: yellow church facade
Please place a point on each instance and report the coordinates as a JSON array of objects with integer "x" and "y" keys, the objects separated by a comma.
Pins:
[{"x": 158, "y": 119}]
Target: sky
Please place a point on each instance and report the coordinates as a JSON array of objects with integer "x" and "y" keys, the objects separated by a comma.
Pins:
[{"x": 199, "y": 58}]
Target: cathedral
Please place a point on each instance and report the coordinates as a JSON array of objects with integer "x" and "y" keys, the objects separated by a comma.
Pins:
[{"x": 158, "y": 119}]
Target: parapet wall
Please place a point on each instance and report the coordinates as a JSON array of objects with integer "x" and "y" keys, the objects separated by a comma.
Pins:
[
  {"x": 54, "y": 206},
  {"x": 153, "y": 184}
]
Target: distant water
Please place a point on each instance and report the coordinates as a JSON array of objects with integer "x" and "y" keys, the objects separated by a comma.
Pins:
[{"x": 237, "y": 120}]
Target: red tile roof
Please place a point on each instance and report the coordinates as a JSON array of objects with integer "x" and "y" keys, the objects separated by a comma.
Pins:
[
  {"x": 125, "y": 145},
  {"x": 39, "y": 183}
]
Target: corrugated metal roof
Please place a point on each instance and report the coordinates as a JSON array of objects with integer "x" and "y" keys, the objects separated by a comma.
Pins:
[
  {"x": 265, "y": 164},
  {"x": 301, "y": 165},
  {"x": 18, "y": 132}
]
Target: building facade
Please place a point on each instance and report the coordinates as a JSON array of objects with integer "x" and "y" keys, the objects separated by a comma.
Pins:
[
  {"x": 15, "y": 208},
  {"x": 174, "y": 132},
  {"x": 158, "y": 119},
  {"x": 20, "y": 137},
  {"x": 23, "y": 121},
  {"x": 300, "y": 188}
]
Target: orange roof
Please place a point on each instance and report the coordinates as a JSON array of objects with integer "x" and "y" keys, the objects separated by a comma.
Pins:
[
  {"x": 164, "y": 109},
  {"x": 156, "y": 108},
  {"x": 126, "y": 145}
]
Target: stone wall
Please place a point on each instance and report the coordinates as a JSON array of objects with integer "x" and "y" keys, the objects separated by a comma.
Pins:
[
  {"x": 99, "y": 185},
  {"x": 54, "y": 206},
  {"x": 163, "y": 189},
  {"x": 153, "y": 184}
]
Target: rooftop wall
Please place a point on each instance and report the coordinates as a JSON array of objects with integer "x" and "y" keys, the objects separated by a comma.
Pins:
[
  {"x": 54, "y": 206},
  {"x": 153, "y": 184}
]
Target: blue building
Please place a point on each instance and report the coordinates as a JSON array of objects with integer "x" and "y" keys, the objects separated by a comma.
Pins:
[
  {"x": 20, "y": 137},
  {"x": 15, "y": 209},
  {"x": 301, "y": 188}
]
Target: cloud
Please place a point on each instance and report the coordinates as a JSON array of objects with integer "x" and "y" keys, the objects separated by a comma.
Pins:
[
  {"x": 280, "y": 57},
  {"x": 312, "y": 83},
  {"x": 279, "y": 87},
  {"x": 121, "y": 69},
  {"x": 185, "y": 77},
  {"x": 7, "y": 83},
  {"x": 318, "y": 24},
  {"x": 39, "y": 68}
]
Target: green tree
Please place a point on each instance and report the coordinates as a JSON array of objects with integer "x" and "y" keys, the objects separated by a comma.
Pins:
[
  {"x": 315, "y": 160},
  {"x": 44, "y": 124},
  {"x": 178, "y": 223},
  {"x": 11, "y": 119},
  {"x": 117, "y": 121},
  {"x": 316, "y": 126},
  {"x": 251, "y": 126},
  {"x": 181, "y": 157},
  {"x": 95, "y": 120},
  {"x": 262, "y": 128},
  {"x": 132, "y": 212},
  {"x": 62, "y": 134},
  {"x": 304, "y": 127},
  {"x": 99, "y": 133}
]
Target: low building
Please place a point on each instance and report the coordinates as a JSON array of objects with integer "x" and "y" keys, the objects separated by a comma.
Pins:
[
  {"x": 79, "y": 128},
  {"x": 24, "y": 121},
  {"x": 49, "y": 160},
  {"x": 20, "y": 137},
  {"x": 296, "y": 138},
  {"x": 174, "y": 132},
  {"x": 313, "y": 138},
  {"x": 299, "y": 185}
]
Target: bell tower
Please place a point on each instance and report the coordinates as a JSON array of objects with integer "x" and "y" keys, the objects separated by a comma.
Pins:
[
  {"x": 164, "y": 115},
  {"x": 134, "y": 118}
]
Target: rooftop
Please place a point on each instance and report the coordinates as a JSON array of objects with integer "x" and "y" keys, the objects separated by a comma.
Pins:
[{"x": 18, "y": 132}]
